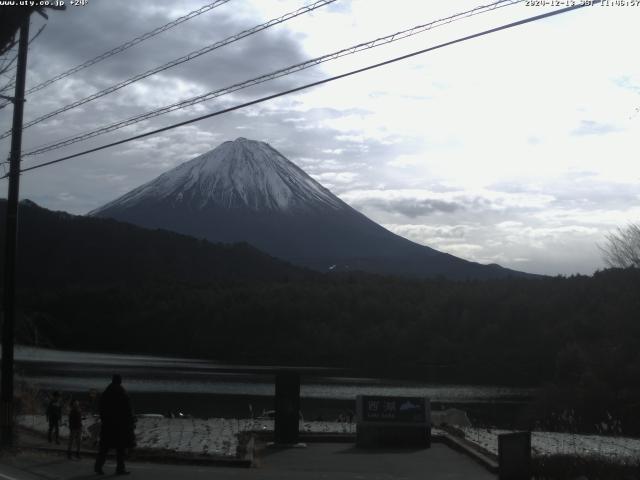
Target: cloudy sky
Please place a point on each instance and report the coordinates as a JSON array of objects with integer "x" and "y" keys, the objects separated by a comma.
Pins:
[{"x": 518, "y": 148}]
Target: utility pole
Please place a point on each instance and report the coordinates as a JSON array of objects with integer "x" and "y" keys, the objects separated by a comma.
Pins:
[{"x": 11, "y": 232}]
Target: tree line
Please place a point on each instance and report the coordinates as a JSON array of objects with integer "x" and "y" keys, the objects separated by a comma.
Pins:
[{"x": 93, "y": 284}]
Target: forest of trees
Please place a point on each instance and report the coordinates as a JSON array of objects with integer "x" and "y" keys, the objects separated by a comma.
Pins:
[
  {"x": 505, "y": 331},
  {"x": 577, "y": 336}
]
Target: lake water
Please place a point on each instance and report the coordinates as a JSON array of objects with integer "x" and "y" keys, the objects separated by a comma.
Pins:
[{"x": 205, "y": 388}]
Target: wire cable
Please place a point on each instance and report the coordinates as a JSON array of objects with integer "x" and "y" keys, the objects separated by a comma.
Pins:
[
  {"x": 127, "y": 45},
  {"x": 9, "y": 65},
  {"x": 178, "y": 61},
  {"x": 270, "y": 76},
  {"x": 313, "y": 84},
  {"x": 3, "y": 70}
]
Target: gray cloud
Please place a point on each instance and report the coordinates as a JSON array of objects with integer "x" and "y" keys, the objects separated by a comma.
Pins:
[
  {"x": 581, "y": 190},
  {"x": 65, "y": 43},
  {"x": 71, "y": 38},
  {"x": 409, "y": 207},
  {"x": 589, "y": 127},
  {"x": 532, "y": 246},
  {"x": 310, "y": 142},
  {"x": 628, "y": 83},
  {"x": 543, "y": 227}
]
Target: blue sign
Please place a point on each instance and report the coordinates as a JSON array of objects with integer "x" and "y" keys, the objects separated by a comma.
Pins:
[{"x": 394, "y": 409}]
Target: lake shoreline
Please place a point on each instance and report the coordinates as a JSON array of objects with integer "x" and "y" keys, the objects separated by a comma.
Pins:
[
  {"x": 205, "y": 405},
  {"x": 169, "y": 386}
]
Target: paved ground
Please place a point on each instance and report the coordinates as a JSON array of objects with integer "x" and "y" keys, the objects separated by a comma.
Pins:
[
  {"x": 344, "y": 461},
  {"x": 318, "y": 461}
]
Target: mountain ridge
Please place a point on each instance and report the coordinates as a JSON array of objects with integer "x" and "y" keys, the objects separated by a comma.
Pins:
[
  {"x": 245, "y": 190},
  {"x": 77, "y": 250}
]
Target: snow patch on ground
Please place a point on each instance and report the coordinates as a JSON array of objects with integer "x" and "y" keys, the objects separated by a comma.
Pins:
[
  {"x": 620, "y": 449},
  {"x": 213, "y": 436},
  {"x": 219, "y": 436}
]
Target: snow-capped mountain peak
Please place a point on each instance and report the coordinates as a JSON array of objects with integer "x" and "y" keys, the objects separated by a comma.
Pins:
[
  {"x": 245, "y": 191},
  {"x": 237, "y": 174}
]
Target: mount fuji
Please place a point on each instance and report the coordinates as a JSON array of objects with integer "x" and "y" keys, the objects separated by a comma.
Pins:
[{"x": 246, "y": 191}]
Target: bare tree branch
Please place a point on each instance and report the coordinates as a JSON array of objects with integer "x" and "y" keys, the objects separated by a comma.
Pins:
[{"x": 622, "y": 247}]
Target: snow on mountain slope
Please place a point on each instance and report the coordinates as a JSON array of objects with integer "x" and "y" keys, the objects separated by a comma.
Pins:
[
  {"x": 245, "y": 191},
  {"x": 242, "y": 173}
]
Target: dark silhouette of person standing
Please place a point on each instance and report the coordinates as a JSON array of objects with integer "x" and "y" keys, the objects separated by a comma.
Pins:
[
  {"x": 75, "y": 429},
  {"x": 54, "y": 415},
  {"x": 117, "y": 429}
]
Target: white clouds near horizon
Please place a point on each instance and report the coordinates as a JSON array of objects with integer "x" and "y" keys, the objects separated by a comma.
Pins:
[{"x": 517, "y": 148}]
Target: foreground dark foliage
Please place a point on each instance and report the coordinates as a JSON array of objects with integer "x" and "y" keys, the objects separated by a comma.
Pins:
[
  {"x": 92, "y": 284},
  {"x": 579, "y": 334}
]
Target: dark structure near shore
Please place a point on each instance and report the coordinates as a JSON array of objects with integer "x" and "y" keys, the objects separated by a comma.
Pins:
[
  {"x": 393, "y": 421},
  {"x": 514, "y": 456},
  {"x": 287, "y": 405}
]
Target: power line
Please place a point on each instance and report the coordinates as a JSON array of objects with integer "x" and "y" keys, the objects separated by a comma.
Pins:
[
  {"x": 9, "y": 65},
  {"x": 127, "y": 45},
  {"x": 178, "y": 61},
  {"x": 313, "y": 84},
  {"x": 4, "y": 69},
  {"x": 271, "y": 76},
  {"x": 12, "y": 43}
]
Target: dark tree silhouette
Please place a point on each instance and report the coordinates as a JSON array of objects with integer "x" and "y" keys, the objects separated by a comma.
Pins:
[{"x": 622, "y": 248}]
